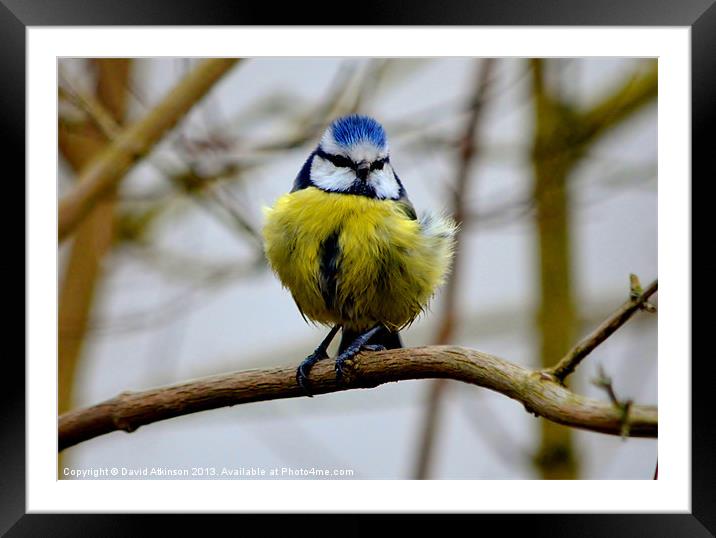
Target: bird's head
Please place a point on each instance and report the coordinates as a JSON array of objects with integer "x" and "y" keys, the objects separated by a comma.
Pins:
[{"x": 353, "y": 158}]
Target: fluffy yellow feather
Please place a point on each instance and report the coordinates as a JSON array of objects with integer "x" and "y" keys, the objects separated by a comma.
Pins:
[{"x": 387, "y": 265}]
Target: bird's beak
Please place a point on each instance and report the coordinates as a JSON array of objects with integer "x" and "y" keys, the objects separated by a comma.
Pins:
[{"x": 363, "y": 169}]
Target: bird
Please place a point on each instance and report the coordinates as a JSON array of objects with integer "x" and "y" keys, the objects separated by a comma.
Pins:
[{"x": 348, "y": 244}]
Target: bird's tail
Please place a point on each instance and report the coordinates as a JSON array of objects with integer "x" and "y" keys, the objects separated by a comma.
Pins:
[
  {"x": 384, "y": 337},
  {"x": 438, "y": 246},
  {"x": 439, "y": 230}
]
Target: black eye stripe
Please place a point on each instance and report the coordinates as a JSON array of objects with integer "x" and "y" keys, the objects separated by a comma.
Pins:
[
  {"x": 341, "y": 162},
  {"x": 337, "y": 160},
  {"x": 378, "y": 165},
  {"x": 345, "y": 162}
]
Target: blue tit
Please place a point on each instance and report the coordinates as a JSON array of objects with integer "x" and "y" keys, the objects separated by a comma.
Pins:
[{"x": 348, "y": 245}]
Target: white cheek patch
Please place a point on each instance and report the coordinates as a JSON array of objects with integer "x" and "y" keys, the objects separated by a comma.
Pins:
[
  {"x": 327, "y": 176},
  {"x": 384, "y": 183}
]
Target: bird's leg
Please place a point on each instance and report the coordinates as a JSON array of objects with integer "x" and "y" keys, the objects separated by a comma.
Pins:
[
  {"x": 320, "y": 353},
  {"x": 355, "y": 347}
]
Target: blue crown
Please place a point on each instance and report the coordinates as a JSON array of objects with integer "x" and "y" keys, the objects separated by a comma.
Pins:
[{"x": 354, "y": 129}]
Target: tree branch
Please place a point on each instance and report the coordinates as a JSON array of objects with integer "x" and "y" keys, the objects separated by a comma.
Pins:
[
  {"x": 571, "y": 360},
  {"x": 638, "y": 90},
  {"x": 93, "y": 239},
  {"x": 556, "y": 317},
  {"x": 538, "y": 392},
  {"x": 108, "y": 168}
]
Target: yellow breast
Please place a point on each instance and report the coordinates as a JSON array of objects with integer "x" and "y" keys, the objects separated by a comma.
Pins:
[{"x": 353, "y": 260}]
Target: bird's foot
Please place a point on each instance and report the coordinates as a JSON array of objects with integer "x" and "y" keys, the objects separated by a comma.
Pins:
[
  {"x": 345, "y": 362},
  {"x": 305, "y": 367}
]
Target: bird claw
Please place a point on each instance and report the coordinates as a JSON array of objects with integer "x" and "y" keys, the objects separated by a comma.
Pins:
[
  {"x": 304, "y": 369},
  {"x": 342, "y": 365},
  {"x": 302, "y": 380},
  {"x": 345, "y": 362}
]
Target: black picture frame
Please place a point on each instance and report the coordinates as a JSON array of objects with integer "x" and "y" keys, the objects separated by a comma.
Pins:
[{"x": 699, "y": 15}]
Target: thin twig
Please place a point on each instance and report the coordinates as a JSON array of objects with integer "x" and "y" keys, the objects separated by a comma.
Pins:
[
  {"x": 605, "y": 382},
  {"x": 189, "y": 180},
  {"x": 93, "y": 109},
  {"x": 539, "y": 393},
  {"x": 571, "y": 360},
  {"x": 135, "y": 142}
]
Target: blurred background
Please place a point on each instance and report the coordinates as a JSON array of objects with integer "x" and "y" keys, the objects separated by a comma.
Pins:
[{"x": 550, "y": 165}]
